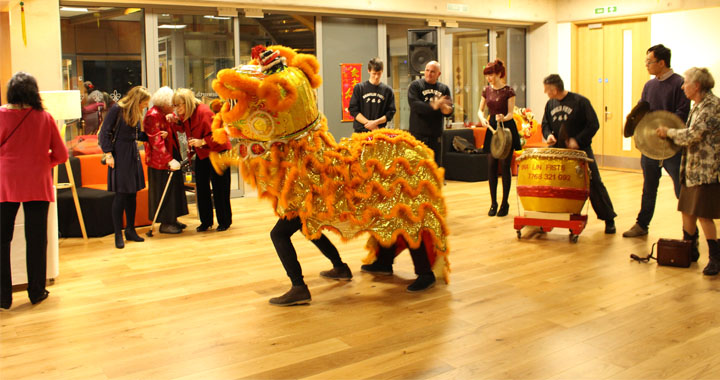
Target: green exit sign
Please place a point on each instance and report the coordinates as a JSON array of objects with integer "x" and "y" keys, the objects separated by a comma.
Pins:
[{"x": 603, "y": 10}]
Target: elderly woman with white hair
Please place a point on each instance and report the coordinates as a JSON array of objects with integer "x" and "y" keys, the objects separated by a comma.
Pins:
[
  {"x": 700, "y": 167},
  {"x": 162, "y": 155}
]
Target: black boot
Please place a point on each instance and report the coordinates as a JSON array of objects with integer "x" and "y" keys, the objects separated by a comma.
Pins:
[
  {"x": 297, "y": 295},
  {"x": 132, "y": 235},
  {"x": 493, "y": 209},
  {"x": 713, "y": 267},
  {"x": 119, "y": 242},
  {"x": 694, "y": 253}
]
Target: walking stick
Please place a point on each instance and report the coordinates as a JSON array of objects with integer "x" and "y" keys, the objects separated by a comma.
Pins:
[{"x": 162, "y": 198}]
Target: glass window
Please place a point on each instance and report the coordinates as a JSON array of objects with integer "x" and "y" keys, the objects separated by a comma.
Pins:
[
  {"x": 192, "y": 49},
  {"x": 471, "y": 52},
  {"x": 295, "y": 31},
  {"x": 102, "y": 56},
  {"x": 398, "y": 73}
]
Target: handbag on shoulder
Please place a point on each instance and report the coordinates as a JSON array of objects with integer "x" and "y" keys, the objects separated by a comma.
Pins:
[{"x": 670, "y": 252}]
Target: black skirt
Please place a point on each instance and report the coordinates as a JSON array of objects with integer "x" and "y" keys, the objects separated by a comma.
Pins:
[{"x": 175, "y": 202}]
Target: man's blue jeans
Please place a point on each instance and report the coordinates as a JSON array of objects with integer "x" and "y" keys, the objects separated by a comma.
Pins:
[{"x": 652, "y": 170}]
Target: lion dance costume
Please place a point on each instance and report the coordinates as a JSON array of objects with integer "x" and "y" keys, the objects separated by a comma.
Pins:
[{"x": 384, "y": 183}]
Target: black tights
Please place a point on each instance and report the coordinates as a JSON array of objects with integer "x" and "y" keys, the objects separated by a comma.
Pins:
[
  {"x": 124, "y": 202},
  {"x": 493, "y": 177},
  {"x": 386, "y": 256},
  {"x": 280, "y": 236}
]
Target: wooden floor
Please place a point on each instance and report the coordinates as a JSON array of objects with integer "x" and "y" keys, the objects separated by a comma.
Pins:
[{"x": 194, "y": 306}]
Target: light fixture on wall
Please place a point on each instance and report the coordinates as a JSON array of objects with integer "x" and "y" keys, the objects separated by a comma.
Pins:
[
  {"x": 451, "y": 24},
  {"x": 254, "y": 13},
  {"x": 227, "y": 12},
  {"x": 434, "y": 23}
]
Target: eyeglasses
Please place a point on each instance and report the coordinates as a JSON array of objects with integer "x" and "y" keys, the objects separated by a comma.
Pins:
[{"x": 649, "y": 62}]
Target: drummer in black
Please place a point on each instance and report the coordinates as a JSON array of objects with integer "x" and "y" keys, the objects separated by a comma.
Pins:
[
  {"x": 569, "y": 121},
  {"x": 500, "y": 101}
]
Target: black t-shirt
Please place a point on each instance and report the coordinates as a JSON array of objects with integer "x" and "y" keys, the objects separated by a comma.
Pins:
[
  {"x": 425, "y": 121},
  {"x": 574, "y": 112},
  {"x": 373, "y": 102}
]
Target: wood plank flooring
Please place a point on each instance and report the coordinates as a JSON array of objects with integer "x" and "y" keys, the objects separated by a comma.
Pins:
[{"x": 194, "y": 306}]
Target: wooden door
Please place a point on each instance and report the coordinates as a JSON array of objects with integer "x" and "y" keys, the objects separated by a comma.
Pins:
[{"x": 611, "y": 73}]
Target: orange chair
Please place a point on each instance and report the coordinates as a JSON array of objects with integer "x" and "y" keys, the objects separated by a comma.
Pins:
[{"x": 94, "y": 176}]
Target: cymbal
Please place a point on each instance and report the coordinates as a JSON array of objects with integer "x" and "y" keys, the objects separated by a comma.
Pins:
[
  {"x": 501, "y": 143},
  {"x": 647, "y": 140},
  {"x": 634, "y": 117}
]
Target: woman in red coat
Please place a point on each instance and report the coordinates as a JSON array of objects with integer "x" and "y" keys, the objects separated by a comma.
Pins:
[
  {"x": 30, "y": 146},
  {"x": 162, "y": 155},
  {"x": 197, "y": 118}
]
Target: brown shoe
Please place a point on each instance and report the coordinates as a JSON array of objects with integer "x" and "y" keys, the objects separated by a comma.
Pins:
[
  {"x": 635, "y": 231},
  {"x": 297, "y": 295},
  {"x": 338, "y": 273}
]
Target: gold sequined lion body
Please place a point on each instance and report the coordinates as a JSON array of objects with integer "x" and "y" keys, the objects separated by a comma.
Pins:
[{"x": 383, "y": 182}]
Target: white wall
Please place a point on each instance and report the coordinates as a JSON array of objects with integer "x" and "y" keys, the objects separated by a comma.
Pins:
[
  {"x": 693, "y": 38},
  {"x": 542, "y": 53}
]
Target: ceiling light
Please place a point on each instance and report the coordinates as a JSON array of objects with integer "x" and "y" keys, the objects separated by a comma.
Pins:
[
  {"x": 131, "y": 10},
  {"x": 168, "y": 26},
  {"x": 254, "y": 13},
  {"x": 218, "y": 17},
  {"x": 73, "y": 9}
]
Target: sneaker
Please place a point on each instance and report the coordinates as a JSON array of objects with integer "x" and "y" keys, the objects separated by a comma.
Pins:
[
  {"x": 376, "y": 268},
  {"x": 297, "y": 295},
  {"x": 423, "y": 282},
  {"x": 635, "y": 231},
  {"x": 338, "y": 273},
  {"x": 610, "y": 226},
  {"x": 167, "y": 228}
]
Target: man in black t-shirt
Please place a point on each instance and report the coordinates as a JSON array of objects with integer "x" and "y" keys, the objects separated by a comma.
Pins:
[
  {"x": 430, "y": 102},
  {"x": 372, "y": 103},
  {"x": 570, "y": 122}
]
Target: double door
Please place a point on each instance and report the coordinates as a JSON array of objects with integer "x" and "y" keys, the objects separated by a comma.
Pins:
[{"x": 610, "y": 71}]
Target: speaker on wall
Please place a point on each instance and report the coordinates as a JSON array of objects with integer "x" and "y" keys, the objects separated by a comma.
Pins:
[{"x": 422, "y": 48}]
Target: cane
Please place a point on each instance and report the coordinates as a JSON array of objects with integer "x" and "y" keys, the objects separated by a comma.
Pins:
[{"x": 162, "y": 198}]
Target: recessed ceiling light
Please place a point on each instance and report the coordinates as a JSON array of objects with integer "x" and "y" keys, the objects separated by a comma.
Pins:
[{"x": 73, "y": 9}]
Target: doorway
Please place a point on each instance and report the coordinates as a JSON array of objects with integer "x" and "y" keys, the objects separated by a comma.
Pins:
[{"x": 609, "y": 70}]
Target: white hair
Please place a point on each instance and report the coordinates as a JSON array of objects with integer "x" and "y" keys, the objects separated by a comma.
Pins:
[{"x": 162, "y": 97}]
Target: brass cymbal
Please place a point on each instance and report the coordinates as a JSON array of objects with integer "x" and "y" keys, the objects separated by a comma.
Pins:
[
  {"x": 501, "y": 143},
  {"x": 647, "y": 140},
  {"x": 634, "y": 117}
]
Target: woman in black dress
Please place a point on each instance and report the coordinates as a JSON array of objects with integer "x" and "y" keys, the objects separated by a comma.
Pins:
[
  {"x": 118, "y": 139},
  {"x": 500, "y": 101}
]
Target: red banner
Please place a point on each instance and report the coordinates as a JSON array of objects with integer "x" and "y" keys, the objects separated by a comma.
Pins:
[{"x": 350, "y": 75}]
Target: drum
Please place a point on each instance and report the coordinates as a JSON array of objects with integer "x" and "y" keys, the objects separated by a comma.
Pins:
[{"x": 553, "y": 180}]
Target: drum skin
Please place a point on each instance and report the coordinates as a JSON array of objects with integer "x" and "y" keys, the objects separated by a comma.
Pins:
[{"x": 553, "y": 180}]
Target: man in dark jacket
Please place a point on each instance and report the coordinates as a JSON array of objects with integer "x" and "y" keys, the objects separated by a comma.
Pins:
[
  {"x": 430, "y": 102},
  {"x": 569, "y": 121}
]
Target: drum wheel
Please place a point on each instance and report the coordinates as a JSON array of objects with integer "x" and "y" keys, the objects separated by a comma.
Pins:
[{"x": 573, "y": 237}]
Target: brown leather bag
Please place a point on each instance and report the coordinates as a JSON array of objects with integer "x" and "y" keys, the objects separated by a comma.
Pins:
[{"x": 670, "y": 252}]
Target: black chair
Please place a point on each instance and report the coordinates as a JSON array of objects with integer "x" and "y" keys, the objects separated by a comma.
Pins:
[
  {"x": 96, "y": 206},
  {"x": 468, "y": 167}
]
